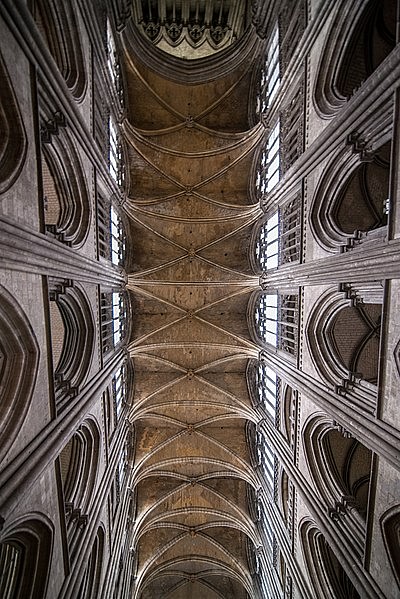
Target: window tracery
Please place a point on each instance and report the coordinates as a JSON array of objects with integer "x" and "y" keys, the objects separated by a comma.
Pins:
[
  {"x": 267, "y": 245},
  {"x": 292, "y": 129},
  {"x": 292, "y": 22}
]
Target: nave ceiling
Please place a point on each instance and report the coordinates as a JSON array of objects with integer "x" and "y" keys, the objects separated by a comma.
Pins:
[{"x": 190, "y": 151}]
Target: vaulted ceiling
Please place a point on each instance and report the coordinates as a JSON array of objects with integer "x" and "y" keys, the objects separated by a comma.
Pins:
[{"x": 190, "y": 152}]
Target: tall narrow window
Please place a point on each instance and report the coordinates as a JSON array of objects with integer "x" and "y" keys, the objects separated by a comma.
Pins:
[
  {"x": 276, "y": 318},
  {"x": 267, "y": 388},
  {"x": 270, "y": 73},
  {"x": 12, "y": 567},
  {"x": 266, "y": 459},
  {"x": 266, "y": 318},
  {"x": 273, "y": 75},
  {"x": 268, "y": 174},
  {"x": 119, "y": 390},
  {"x": 117, "y": 238},
  {"x": 113, "y": 320},
  {"x": 277, "y": 239},
  {"x": 113, "y": 65},
  {"x": 118, "y": 317},
  {"x": 122, "y": 469},
  {"x": 114, "y": 152},
  {"x": 267, "y": 246},
  {"x": 290, "y": 231},
  {"x": 273, "y": 174},
  {"x": 111, "y": 232}
]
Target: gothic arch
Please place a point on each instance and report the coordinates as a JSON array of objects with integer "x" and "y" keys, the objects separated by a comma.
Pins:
[
  {"x": 25, "y": 557},
  {"x": 328, "y": 577},
  {"x": 13, "y": 141},
  {"x": 349, "y": 203},
  {"x": 343, "y": 335},
  {"x": 58, "y": 25},
  {"x": 19, "y": 357},
  {"x": 340, "y": 466},
  {"x": 362, "y": 30},
  {"x": 390, "y": 526},
  {"x": 90, "y": 581},
  {"x": 79, "y": 462},
  {"x": 75, "y": 341},
  {"x": 66, "y": 196}
]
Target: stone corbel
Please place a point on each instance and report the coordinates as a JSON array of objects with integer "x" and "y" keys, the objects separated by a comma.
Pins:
[
  {"x": 52, "y": 126},
  {"x": 360, "y": 146}
]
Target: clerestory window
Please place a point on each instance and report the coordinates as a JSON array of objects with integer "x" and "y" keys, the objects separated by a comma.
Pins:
[
  {"x": 268, "y": 174},
  {"x": 277, "y": 241},
  {"x": 266, "y": 459},
  {"x": 276, "y": 317},
  {"x": 270, "y": 73},
  {"x": 267, "y": 245},
  {"x": 115, "y": 161},
  {"x": 266, "y": 381},
  {"x": 113, "y": 64},
  {"x": 112, "y": 244},
  {"x": 113, "y": 320},
  {"x": 119, "y": 391},
  {"x": 117, "y": 241}
]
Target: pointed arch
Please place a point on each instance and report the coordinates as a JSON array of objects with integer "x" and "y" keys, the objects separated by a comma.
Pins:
[
  {"x": 90, "y": 580},
  {"x": 79, "y": 461},
  {"x": 390, "y": 527},
  {"x": 361, "y": 36},
  {"x": 75, "y": 341},
  {"x": 13, "y": 140},
  {"x": 328, "y": 577},
  {"x": 25, "y": 557},
  {"x": 343, "y": 337},
  {"x": 349, "y": 205},
  {"x": 66, "y": 196},
  {"x": 339, "y": 464},
  {"x": 19, "y": 358},
  {"x": 58, "y": 24}
]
